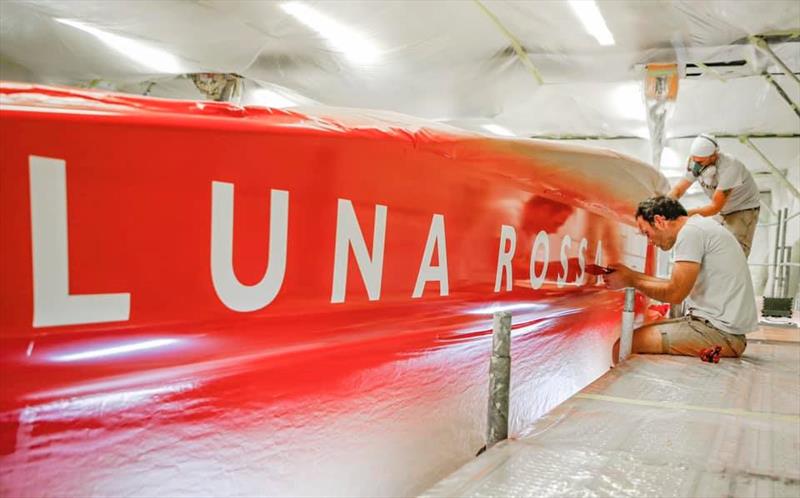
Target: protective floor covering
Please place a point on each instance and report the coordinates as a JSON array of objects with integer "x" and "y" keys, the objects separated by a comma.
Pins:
[{"x": 658, "y": 426}]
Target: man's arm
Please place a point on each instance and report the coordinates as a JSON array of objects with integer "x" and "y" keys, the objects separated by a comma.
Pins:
[
  {"x": 717, "y": 202},
  {"x": 674, "y": 290},
  {"x": 679, "y": 189}
]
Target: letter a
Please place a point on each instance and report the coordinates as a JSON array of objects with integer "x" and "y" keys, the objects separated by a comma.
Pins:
[
  {"x": 581, "y": 261},
  {"x": 598, "y": 260},
  {"x": 427, "y": 272}
]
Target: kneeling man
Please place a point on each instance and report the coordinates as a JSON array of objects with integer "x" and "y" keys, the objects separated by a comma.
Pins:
[{"x": 710, "y": 273}]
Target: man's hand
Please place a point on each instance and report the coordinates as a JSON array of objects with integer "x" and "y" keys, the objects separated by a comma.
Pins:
[
  {"x": 621, "y": 277},
  {"x": 674, "y": 290}
]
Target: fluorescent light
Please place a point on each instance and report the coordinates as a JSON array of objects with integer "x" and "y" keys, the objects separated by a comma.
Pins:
[
  {"x": 353, "y": 45},
  {"x": 152, "y": 58},
  {"x": 498, "y": 130},
  {"x": 116, "y": 350},
  {"x": 269, "y": 98},
  {"x": 592, "y": 20}
]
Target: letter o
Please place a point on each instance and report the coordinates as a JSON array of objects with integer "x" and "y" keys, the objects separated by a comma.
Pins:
[{"x": 541, "y": 240}]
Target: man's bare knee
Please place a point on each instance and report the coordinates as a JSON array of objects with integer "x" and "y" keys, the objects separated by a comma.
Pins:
[{"x": 647, "y": 340}]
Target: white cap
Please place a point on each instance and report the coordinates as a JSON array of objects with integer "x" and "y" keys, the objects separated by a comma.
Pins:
[{"x": 704, "y": 145}]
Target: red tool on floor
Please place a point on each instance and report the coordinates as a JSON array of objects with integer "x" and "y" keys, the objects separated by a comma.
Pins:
[{"x": 711, "y": 355}]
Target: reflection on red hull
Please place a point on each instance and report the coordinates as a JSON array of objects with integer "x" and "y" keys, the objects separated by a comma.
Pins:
[{"x": 191, "y": 373}]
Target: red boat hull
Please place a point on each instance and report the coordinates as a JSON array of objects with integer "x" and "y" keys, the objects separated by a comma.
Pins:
[{"x": 213, "y": 300}]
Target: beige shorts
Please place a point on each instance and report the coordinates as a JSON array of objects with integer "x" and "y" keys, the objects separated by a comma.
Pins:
[
  {"x": 689, "y": 335},
  {"x": 742, "y": 224}
]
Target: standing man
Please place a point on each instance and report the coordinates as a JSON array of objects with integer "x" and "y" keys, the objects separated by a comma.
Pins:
[
  {"x": 728, "y": 184},
  {"x": 710, "y": 272}
]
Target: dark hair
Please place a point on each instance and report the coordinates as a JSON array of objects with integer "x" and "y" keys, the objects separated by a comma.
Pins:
[{"x": 661, "y": 205}]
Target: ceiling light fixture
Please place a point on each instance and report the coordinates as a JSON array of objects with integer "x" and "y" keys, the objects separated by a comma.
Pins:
[
  {"x": 592, "y": 20},
  {"x": 150, "y": 57},
  {"x": 498, "y": 130},
  {"x": 352, "y": 44}
]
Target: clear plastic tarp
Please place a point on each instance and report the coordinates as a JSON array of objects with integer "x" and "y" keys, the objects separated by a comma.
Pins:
[
  {"x": 658, "y": 426},
  {"x": 531, "y": 67}
]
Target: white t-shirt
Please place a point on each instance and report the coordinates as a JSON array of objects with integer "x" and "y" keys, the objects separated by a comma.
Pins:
[
  {"x": 723, "y": 293},
  {"x": 729, "y": 173}
]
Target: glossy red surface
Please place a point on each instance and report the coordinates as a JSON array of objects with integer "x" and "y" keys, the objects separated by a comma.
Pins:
[{"x": 380, "y": 394}]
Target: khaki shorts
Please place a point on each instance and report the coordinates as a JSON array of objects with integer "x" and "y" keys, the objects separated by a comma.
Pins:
[
  {"x": 742, "y": 224},
  {"x": 689, "y": 335}
]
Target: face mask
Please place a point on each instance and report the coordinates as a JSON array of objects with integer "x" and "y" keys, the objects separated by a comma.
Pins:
[
  {"x": 708, "y": 176},
  {"x": 696, "y": 168}
]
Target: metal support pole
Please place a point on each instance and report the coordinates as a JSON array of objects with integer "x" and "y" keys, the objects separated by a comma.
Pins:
[
  {"x": 499, "y": 379},
  {"x": 775, "y": 255},
  {"x": 784, "y": 257},
  {"x": 626, "y": 336},
  {"x": 782, "y": 93},
  {"x": 745, "y": 140},
  {"x": 763, "y": 45},
  {"x": 787, "y": 271}
]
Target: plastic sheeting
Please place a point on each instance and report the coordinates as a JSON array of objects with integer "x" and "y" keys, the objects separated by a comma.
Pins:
[
  {"x": 658, "y": 426},
  {"x": 205, "y": 299},
  {"x": 439, "y": 60}
]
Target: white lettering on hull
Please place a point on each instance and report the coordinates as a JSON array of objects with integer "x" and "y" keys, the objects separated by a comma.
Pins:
[
  {"x": 229, "y": 289},
  {"x": 428, "y": 273},
  {"x": 348, "y": 235},
  {"x": 507, "y": 233},
  {"x": 542, "y": 240},
  {"x": 566, "y": 243},
  {"x": 579, "y": 280},
  {"x": 53, "y": 305}
]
